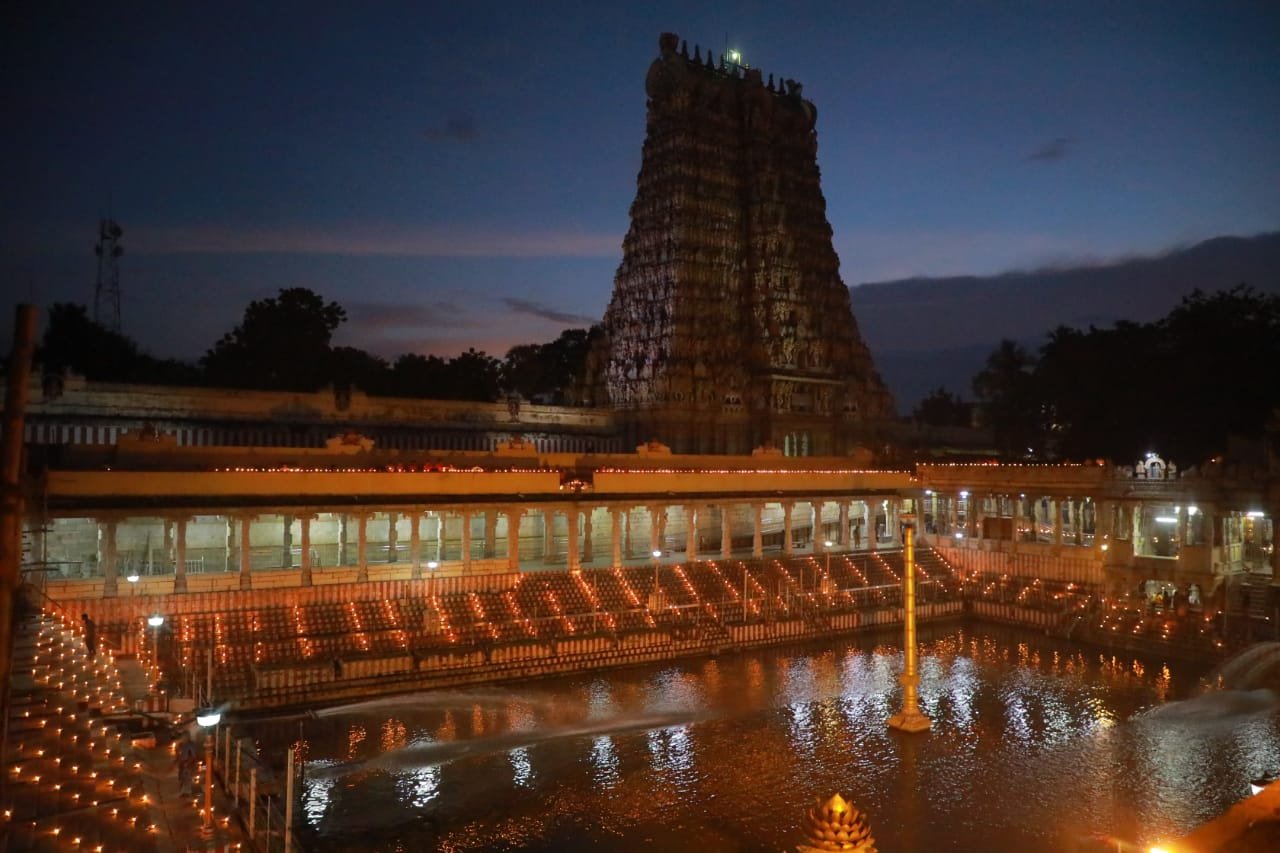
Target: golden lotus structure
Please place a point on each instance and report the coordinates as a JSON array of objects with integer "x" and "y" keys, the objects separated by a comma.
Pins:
[{"x": 836, "y": 825}]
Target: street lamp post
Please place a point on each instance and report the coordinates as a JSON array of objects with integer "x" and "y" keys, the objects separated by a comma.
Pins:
[
  {"x": 655, "y": 600},
  {"x": 208, "y": 720},
  {"x": 133, "y": 579},
  {"x": 826, "y": 573},
  {"x": 155, "y": 622}
]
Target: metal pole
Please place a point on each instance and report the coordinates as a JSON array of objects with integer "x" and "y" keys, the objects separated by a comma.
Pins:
[
  {"x": 253, "y": 801},
  {"x": 288, "y": 803},
  {"x": 208, "y": 693},
  {"x": 235, "y": 784},
  {"x": 206, "y": 829},
  {"x": 910, "y": 720}
]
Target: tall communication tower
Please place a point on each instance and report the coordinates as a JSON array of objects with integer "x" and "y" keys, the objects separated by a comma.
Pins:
[{"x": 106, "y": 294}]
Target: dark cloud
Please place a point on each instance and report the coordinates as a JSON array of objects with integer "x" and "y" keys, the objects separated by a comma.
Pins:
[
  {"x": 459, "y": 127},
  {"x": 523, "y": 306},
  {"x": 1051, "y": 151}
]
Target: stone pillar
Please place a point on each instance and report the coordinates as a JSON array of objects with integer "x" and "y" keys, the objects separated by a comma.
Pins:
[
  {"x": 979, "y": 519},
  {"x": 166, "y": 548},
  {"x": 548, "y": 537},
  {"x": 107, "y": 557},
  {"x": 571, "y": 522},
  {"x": 246, "y": 553},
  {"x": 490, "y": 533},
  {"x": 1055, "y": 510},
  {"x": 304, "y": 558},
  {"x": 362, "y": 547},
  {"x": 627, "y": 547},
  {"x": 615, "y": 535},
  {"x": 757, "y": 533},
  {"x": 787, "y": 544},
  {"x": 466, "y": 540},
  {"x": 513, "y": 538},
  {"x": 873, "y": 539},
  {"x": 229, "y": 545},
  {"x": 286, "y": 541},
  {"x": 726, "y": 532},
  {"x": 439, "y": 516},
  {"x": 588, "y": 552},
  {"x": 655, "y": 529},
  {"x": 393, "y": 539},
  {"x": 842, "y": 534},
  {"x": 816, "y": 529},
  {"x": 415, "y": 544},
  {"x": 691, "y": 534},
  {"x": 180, "y": 555},
  {"x": 344, "y": 537}
]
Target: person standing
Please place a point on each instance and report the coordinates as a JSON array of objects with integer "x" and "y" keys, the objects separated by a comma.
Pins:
[
  {"x": 187, "y": 761},
  {"x": 90, "y": 634}
]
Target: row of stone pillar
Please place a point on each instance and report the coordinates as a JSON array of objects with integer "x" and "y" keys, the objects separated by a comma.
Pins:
[{"x": 579, "y": 537}]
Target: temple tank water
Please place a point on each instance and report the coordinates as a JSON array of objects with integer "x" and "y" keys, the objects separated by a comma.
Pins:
[{"x": 1036, "y": 744}]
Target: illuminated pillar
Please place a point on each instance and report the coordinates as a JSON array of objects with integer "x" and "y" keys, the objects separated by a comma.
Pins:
[
  {"x": 466, "y": 540},
  {"x": 393, "y": 536},
  {"x": 726, "y": 532},
  {"x": 548, "y": 537},
  {"x": 910, "y": 719},
  {"x": 344, "y": 537},
  {"x": 980, "y": 518},
  {"x": 513, "y": 538},
  {"x": 246, "y": 554},
  {"x": 588, "y": 553},
  {"x": 415, "y": 545},
  {"x": 691, "y": 533},
  {"x": 819, "y": 543},
  {"x": 571, "y": 535},
  {"x": 286, "y": 541},
  {"x": 1055, "y": 511},
  {"x": 230, "y": 543},
  {"x": 167, "y": 535},
  {"x": 626, "y": 534},
  {"x": 873, "y": 535},
  {"x": 490, "y": 533},
  {"x": 757, "y": 532},
  {"x": 842, "y": 535},
  {"x": 787, "y": 507},
  {"x": 362, "y": 547},
  {"x": 180, "y": 555},
  {"x": 439, "y": 517},
  {"x": 304, "y": 557},
  {"x": 655, "y": 528},
  {"x": 107, "y": 556},
  {"x": 615, "y": 535}
]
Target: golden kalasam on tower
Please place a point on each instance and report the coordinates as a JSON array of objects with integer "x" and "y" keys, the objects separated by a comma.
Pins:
[{"x": 729, "y": 326}]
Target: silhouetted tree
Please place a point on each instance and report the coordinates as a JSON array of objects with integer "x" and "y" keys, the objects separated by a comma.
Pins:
[
  {"x": 72, "y": 342},
  {"x": 281, "y": 344},
  {"x": 547, "y": 371},
  {"x": 1007, "y": 390},
  {"x": 354, "y": 368},
  {"x": 941, "y": 408}
]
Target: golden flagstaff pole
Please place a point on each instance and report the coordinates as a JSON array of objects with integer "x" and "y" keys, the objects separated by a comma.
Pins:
[{"x": 910, "y": 720}]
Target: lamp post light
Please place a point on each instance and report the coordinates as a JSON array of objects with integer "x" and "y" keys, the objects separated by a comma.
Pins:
[
  {"x": 133, "y": 579},
  {"x": 826, "y": 573},
  {"x": 657, "y": 555},
  {"x": 208, "y": 720},
  {"x": 155, "y": 622}
]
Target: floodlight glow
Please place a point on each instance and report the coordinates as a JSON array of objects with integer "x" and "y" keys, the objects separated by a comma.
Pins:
[
  {"x": 1254, "y": 513},
  {"x": 432, "y": 565},
  {"x": 657, "y": 554},
  {"x": 155, "y": 621},
  {"x": 1192, "y": 510},
  {"x": 1166, "y": 519},
  {"x": 209, "y": 718},
  {"x": 131, "y": 578}
]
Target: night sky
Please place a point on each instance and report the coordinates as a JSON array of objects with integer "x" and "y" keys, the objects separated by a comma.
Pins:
[{"x": 459, "y": 175}]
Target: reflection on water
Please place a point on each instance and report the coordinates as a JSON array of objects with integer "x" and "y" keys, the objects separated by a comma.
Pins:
[{"x": 1035, "y": 743}]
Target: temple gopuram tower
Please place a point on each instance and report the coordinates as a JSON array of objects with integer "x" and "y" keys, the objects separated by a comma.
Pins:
[{"x": 729, "y": 327}]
